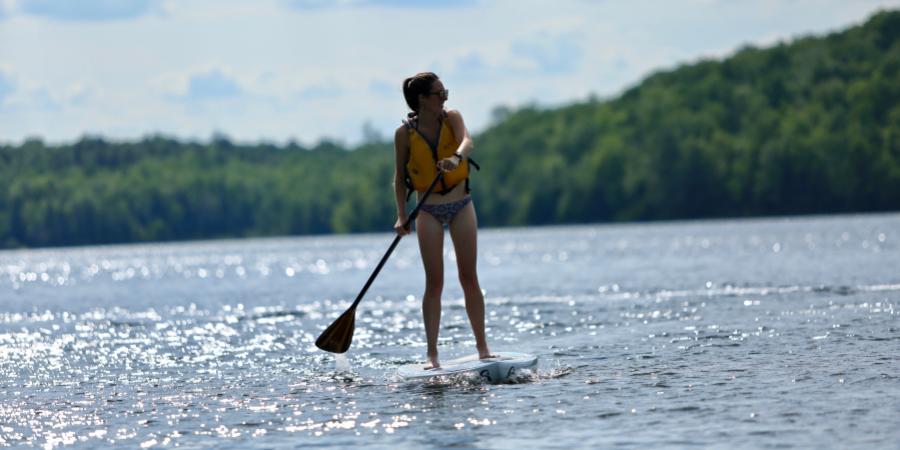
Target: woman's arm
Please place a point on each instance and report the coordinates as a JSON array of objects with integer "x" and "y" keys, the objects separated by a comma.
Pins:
[
  {"x": 466, "y": 145},
  {"x": 401, "y": 156},
  {"x": 459, "y": 129}
]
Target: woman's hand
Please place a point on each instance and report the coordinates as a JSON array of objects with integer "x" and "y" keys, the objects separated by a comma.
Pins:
[
  {"x": 450, "y": 163},
  {"x": 398, "y": 226}
]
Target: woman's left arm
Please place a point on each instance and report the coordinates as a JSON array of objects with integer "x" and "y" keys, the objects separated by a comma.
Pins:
[{"x": 459, "y": 129}]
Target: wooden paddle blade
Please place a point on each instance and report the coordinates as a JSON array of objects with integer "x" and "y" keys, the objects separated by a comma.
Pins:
[{"x": 337, "y": 337}]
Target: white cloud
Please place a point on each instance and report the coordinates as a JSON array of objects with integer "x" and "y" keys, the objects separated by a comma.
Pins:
[
  {"x": 43, "y": 99},
  {"x": 77, "y": 94},
  {"x": 551, "y": 54},
  {"x": 6, "y": 6},
  {"x": 320, "y": 92},
  {"x": 6, "y": 87},
  {"x": 383, "y": 88},
  {"x": 473, "y": 66},
  {"x": 275, "y": 70},
  {"x": 312, "y": 5},
  {"x": 18, "y": 94}
]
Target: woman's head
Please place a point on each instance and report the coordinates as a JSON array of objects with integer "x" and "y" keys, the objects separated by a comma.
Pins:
[{"x": 424, "y": 90}]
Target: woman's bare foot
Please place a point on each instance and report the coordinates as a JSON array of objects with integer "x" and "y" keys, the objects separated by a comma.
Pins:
[
  {"x": 485, "y": 354},
  {"x": 433, "y": 359}
]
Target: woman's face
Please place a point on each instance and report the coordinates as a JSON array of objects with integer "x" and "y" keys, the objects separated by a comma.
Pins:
[{"x": 435, "y": 98}]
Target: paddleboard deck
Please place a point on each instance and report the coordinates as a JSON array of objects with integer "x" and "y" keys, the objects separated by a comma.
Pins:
[{"x": 494, "y": 370}]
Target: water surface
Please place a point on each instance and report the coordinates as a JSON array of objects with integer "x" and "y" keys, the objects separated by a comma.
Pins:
[{"x": 752, "y": 333}]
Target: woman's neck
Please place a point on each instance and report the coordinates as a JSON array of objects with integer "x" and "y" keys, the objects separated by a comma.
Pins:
[{"x": 428, "y": 117}]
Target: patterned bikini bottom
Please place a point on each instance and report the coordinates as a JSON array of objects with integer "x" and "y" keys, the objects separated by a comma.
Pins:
[{"x": 445, "y": 212}]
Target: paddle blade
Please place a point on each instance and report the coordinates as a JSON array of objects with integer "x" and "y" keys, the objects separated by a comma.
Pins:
[{"x": 337, "y": 337}]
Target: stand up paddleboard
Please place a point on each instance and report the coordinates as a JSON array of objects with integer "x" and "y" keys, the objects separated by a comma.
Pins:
[{"x": 494, "y": 370}]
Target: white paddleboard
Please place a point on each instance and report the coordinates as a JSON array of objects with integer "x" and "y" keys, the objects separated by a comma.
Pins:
[{"x": 493, "y": 370}]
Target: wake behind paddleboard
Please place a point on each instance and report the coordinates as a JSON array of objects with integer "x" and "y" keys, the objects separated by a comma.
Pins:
[{"x": 493, "y": 370}]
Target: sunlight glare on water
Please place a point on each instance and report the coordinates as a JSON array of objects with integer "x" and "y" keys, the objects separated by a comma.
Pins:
[
  {"x": 770, "y": 332},
  {"x": 341, "y": 363}
]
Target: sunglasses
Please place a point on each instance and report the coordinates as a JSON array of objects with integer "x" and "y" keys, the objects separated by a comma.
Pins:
[{"x": 443, "y": 93}]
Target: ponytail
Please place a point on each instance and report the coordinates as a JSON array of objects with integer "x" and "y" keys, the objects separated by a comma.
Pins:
[{"x": 414, "y": 86}]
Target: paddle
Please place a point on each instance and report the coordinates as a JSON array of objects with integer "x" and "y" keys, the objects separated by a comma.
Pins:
[{"x": 336, "y": 338}]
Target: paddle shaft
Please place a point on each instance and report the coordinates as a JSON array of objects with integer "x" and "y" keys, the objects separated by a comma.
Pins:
[{"x": 412, "y": 216}]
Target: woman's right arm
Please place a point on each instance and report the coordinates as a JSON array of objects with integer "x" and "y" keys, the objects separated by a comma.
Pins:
[{"x": 401, "y": 156}]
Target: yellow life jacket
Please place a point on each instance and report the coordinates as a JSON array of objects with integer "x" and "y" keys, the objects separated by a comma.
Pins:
[{"x": 421, "y": 168}]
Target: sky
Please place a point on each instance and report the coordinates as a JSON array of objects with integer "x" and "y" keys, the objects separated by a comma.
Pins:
[{"x": 305, "y": 70}]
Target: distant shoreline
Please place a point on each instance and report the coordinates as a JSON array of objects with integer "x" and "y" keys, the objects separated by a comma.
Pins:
[{"x": 806, "y": 127}]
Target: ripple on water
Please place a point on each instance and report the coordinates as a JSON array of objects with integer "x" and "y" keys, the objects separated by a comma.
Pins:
[{"x": 660, "y": 335}]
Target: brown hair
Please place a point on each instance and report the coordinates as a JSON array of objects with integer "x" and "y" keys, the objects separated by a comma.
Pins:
[{"x": 416, "y": 85}]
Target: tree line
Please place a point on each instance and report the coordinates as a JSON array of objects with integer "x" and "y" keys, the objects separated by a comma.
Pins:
[{"x": 808, "y": 126}]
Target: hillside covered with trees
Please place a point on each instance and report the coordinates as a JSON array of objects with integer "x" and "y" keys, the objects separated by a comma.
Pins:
[{"x": 809, "y": 126}]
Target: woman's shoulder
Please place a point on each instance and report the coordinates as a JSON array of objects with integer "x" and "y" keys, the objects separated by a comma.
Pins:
[
  {"x": 452, "y": 113},
  {"x": 455, "y": 120},
  {"x": 401, "y": 134}
]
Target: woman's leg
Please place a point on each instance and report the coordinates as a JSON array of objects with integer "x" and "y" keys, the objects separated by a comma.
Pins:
[
  {"x": 431, "y": 245},
  {"x": 464, "y": 232}
]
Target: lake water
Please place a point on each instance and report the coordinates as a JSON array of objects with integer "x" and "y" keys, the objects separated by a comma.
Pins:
[{"x": 745, "y": 333}]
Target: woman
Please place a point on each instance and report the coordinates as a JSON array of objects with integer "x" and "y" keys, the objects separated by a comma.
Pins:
[{"x": 433, "y": 139}]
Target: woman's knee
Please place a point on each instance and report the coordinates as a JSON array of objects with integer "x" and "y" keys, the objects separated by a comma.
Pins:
[
  {"x": 434, "y": 286},
  {"x": 468, "y": 279}
]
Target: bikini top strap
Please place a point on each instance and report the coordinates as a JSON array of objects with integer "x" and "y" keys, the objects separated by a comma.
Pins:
[{"x": 411, "y": 122}]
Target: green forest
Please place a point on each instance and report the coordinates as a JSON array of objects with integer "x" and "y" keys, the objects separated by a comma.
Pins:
[{"x": 809, "y": 126}]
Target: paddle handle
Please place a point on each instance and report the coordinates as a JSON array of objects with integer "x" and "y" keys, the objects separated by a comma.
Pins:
[{"x": 412, "y": 216}]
